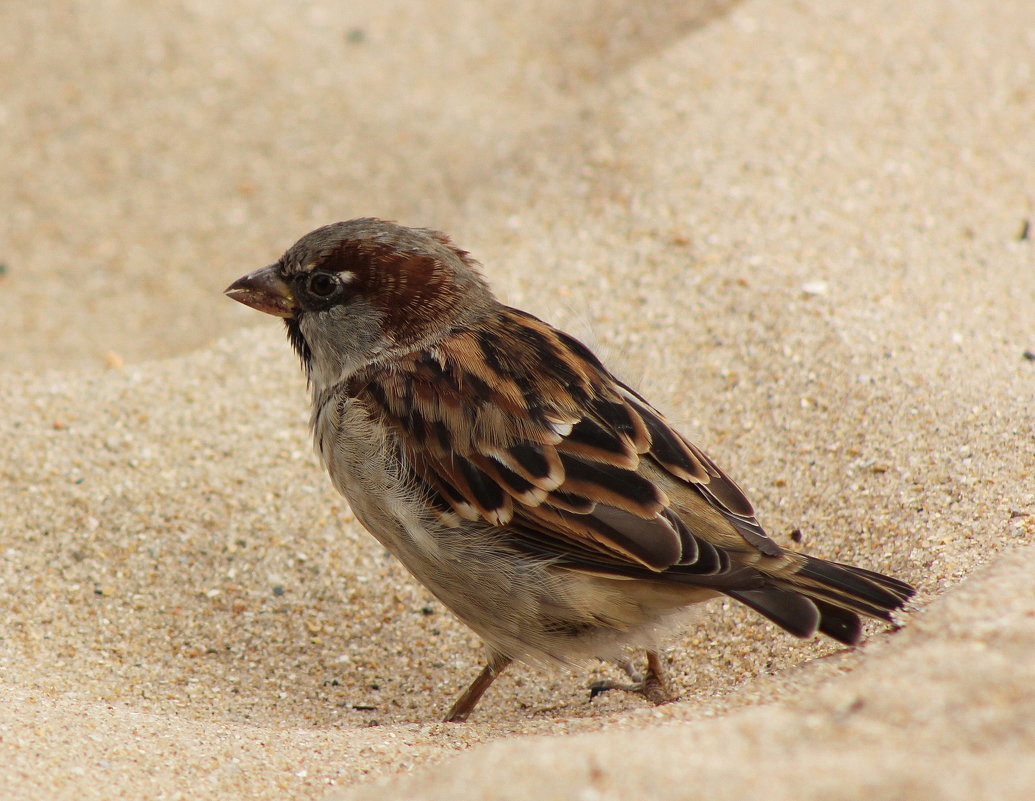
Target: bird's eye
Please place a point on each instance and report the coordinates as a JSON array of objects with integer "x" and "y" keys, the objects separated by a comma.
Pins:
[{"x": 322, "y": 285}]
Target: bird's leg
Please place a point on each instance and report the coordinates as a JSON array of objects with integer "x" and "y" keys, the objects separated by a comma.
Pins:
[
  {"x": 465, "y": 704},
  {"x": 651, "y": 685},
  {"x": 655, "y": 687}
]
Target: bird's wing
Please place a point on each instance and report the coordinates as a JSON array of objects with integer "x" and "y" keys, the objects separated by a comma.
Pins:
[{"x": 519, "y": 425}]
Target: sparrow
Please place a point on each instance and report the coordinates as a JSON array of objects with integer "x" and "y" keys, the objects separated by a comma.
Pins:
[{"x": 540, "y": 498}]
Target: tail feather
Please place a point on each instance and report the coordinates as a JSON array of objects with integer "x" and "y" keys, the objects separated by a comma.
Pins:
[
  {"x": 787, "y": 609},
  {"x": 875, "y": 590},
  {"x": 841, "y": 624},
  {"x": 817, "y": 595},
  {"x": 838, "y": 598}
]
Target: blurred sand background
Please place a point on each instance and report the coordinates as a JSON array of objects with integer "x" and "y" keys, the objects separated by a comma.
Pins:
[{"x": 799, "y": 227}]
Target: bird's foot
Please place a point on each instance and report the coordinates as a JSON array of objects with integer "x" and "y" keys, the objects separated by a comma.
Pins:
[{"x": 651, "y": 685}]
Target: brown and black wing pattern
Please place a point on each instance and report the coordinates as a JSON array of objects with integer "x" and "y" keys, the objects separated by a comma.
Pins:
[{"x": 519, "y": 425}]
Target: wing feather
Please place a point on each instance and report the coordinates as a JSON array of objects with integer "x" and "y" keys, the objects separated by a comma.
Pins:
[{"x": 519, "y": 425}]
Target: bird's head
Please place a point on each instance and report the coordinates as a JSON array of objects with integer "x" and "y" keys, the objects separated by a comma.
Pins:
[{"x": 356, "y": 292}]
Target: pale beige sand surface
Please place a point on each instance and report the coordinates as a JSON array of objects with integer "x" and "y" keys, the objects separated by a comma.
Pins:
[{"x": 796, "y": 226}]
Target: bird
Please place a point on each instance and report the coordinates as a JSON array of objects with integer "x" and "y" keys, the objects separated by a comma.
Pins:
[{"x": 545, "y": 502}]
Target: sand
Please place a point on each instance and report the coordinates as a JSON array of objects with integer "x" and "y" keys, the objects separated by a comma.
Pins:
[{"x": 799, "y": 228}]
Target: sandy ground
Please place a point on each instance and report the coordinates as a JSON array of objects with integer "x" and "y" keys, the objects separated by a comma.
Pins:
[{"x": 799, "y": 227}]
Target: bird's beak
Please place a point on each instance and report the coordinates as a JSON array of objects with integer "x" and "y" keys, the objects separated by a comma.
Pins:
[{"x": 264, "y": 290}]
